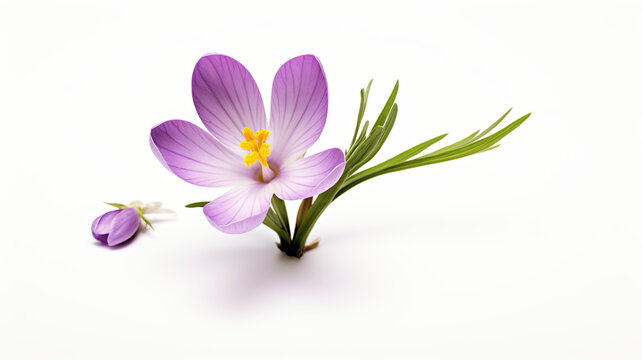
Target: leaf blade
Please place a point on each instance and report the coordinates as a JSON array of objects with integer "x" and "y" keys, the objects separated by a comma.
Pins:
[{"x": 197, "y": 204}]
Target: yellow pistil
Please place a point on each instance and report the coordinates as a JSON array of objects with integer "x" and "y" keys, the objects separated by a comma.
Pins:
[{"x": 259, "y": 150}]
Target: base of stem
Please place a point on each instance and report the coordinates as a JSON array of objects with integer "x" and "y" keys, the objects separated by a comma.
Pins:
[{"x": 297, "y": 251}]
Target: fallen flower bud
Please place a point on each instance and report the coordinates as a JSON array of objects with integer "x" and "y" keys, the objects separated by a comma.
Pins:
[{"x": 117, "y": 226}]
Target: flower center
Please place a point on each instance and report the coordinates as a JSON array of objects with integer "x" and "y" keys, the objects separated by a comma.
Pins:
[{"x": 259, "y": 150}]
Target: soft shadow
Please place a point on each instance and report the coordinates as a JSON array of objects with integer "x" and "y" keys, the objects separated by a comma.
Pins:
[{"x": 241, "y": 277}]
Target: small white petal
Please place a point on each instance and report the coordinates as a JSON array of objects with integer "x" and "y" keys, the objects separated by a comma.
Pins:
[
  {"x": 163, "y": 211},
  {"x": 136, "y": 203},
  {"x": 151, "y": 207}
]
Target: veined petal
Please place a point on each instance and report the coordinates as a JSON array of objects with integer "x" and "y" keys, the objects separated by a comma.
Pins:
[
  {"x": 227, "y": 98},
  {"x": 241, "y": 209},
  {"x": 124, "y": 226},
  {"x": 116, "y": 226},
  {"x": 197, "y": 157},
  {"x": 309, "y": 176},
  {"x": 102, "y": 225},
  {"x": 299, "y": 107}
]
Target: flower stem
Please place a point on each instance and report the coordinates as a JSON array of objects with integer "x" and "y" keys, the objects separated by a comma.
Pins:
[
  {"x": 303, "y": 210},
  {"x": 319, "y": 205},
  {"x": 282, "y": 213},
  {"x": 273, "y": 222}
]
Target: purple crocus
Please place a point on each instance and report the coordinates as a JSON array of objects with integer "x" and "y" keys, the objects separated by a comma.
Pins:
[
  {"x": 115, "y": 227},
  {"x": 242, "y": 151}
]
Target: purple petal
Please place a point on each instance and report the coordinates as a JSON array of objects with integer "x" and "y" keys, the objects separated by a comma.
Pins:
[
  {"x": 299, "y": 107},
  {"x": 124, "y": 226},
  {"x": 116, "y": 226},
  {"x": 227, "y": 98},
  {"x": 240, "y": 209},
  {"x": 102, "y": 226},
  {"x": 197, "y": 157},
  {"x": 310, "y": 176}
]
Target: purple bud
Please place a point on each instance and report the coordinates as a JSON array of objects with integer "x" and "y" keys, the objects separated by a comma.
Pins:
[{"x": 115, "y": 227}]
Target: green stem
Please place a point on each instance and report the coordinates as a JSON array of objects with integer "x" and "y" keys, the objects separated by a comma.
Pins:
[
  {"x": 282, "y": 213},
  {"x": 319, "y": 205},
  {"x": 273, "y": 222},
  {"x": 303, "y": 210}
]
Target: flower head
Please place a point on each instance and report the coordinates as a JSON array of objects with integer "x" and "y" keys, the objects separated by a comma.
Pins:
[{"x": 236, "y": 153}]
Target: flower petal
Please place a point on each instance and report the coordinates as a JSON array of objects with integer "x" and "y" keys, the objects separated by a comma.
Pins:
[
  {"x": 241, "y": 209},
  {"x": 151, "y": 207},
  {"x": 102, "y": 226},
  {"x": 227, "y": 98},
  {"x": 124, "y": 226},
  {"x": 310, "y": 176},
  {"x": 299, "y": 107},
  {"x": 197, "y": 157}
]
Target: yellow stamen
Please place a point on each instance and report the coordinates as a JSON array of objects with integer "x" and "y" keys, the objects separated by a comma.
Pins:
[{"x": 259, "y": 150}]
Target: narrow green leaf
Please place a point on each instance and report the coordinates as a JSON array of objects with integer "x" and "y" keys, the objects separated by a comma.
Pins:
[
  {"x": 471, "y": 138},
  {"x": 146, "y": 221},
  {"x": 478, "y": 145},
  {"x": 303, "y": 210},
  {"x": 387, "y": 128},
  {"x": 413, "y": 151},
  {"x": 197, "y": 204},
  {"x": 386, "y": 108},
  {"x": 483, "y": 133},
  {"x": 117, "y": 205},
  {"x": 364, "y": 148},
  {"x": 359, "y": 117},
  {"x": 465, "y": 141},
  {"x": 356, "y": 144},
  {"x": 362, "y": 110},
  {"x": 272, "y": 221},
  {"x": 490, "y": 148},
  {"x": 281, "y": 213}
]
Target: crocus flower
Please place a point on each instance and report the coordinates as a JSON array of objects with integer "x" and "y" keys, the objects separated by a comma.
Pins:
[
  {"x": 256, "y": 160},
  {"x": 117, "y": 226}
]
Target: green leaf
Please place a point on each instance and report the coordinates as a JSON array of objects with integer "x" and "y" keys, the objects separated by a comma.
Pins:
[
  {"x": 199, "y": 204},
  {"x": 490, "y": 148},
  {"x": 281, "y": 213},
  {"x": 117, "y": 205},
  {"x": 471, "y": 138},
  {"x": 356, "y": 144},
  {"x": 476, "y": 146},
  {"x": 492, "y": 126},
  {"x": 387, "y": 128},
  {"x": 364, "y": 149},
  {"x": 303, "y": 210},
  {"x": 362, "y": 110},
  {"x": 413, "y": 151},
  {"x": 146, "y": 221},
  {"x": 385, "y": 114},
  {"x": 386, "y": 108},
  {"x": 272, "y": 221},
  {"x": 467, "y": 140}
]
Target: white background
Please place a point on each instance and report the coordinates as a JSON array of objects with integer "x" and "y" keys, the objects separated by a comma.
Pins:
[{"x": 530, "y": 251}]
